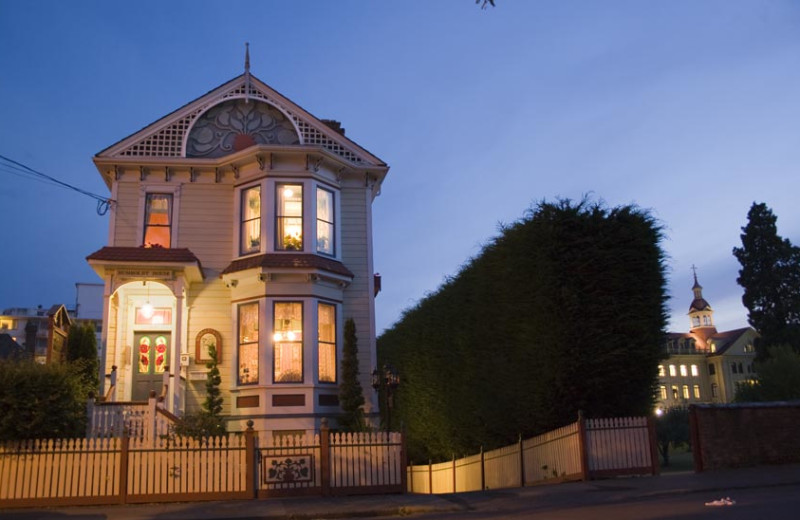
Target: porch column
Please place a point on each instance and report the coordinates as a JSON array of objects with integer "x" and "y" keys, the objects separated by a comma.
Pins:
[
  {"x": 103, "y": 364},
  {"x": 174, "y": 395}
]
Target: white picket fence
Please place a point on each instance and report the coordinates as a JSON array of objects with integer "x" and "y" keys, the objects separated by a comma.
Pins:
[
  {"x": 588, "y": 448},
  {"x": 141, "y": 420},
  {"x": 110, "y": 470}
]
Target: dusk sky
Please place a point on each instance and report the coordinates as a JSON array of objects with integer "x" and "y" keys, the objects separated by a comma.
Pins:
[{"x": 688, "y": 108}]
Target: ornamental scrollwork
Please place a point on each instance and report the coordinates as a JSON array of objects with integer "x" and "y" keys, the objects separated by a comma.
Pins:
[{"x": 238, "y": 124}]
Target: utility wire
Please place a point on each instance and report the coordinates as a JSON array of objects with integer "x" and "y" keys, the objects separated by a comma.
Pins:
[{"x": 21, "y": 170}]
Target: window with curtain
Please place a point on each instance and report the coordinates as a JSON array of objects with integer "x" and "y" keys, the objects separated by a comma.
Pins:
[
  {"x": 157, "y": 220},
  {"x": 289, "y": 217},
  {"x": 288, "y": 342},
  {"x": 325, "y": 222},
  {"x": 326, "y": 346},
  {"x": 250, "y": 229},
  {"x": 248, "y": 343}
]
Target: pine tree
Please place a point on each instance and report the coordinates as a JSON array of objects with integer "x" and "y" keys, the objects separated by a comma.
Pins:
[
  {"x": 770, "y": 276},
  {"x": 209, "y": 421},
  {"x": 351, "y": 396},
  {"x": 213, "y": 403}
]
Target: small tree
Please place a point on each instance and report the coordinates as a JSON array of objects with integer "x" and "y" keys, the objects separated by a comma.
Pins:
[
  {"x": 208, "y": 422},
  {"x": 351, "y": 396},
  {"x": 778, "y": 377},
  {"x": 672, "y": 429},
  {"x": 82, "y": 354}
]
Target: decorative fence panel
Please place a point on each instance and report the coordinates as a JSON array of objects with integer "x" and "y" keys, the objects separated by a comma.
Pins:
[
  {"x": 60, "y": 472},
  {"x": 290, "y": 465},
  {"x": 579, "y": 451}
]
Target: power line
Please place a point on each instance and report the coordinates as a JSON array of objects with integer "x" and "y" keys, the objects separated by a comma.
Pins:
[{"x": 21, "y": 170}]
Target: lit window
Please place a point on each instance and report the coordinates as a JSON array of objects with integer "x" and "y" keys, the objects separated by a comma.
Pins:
[
  {"x": 325, "y": 227},
  {"x": 663, "y": 392},
  {"x": 686, "y": 391},
  {"x": 695, "y": 371},
  {"x": 672, "y": 371},
  {"x": 748, "y": 349},
  {"x": 684, "y": 373},
  {"x": 696, "y": 389},
  {"x": 248, "y": 343},
  {"x": 157, "y": 220},
  {"x": 288, "y": 341},
  {"x": 289, "y": 217},
  {"x": 250, "y": 231},
  {"x": 327, "y": 342},
  {"x": 661, "y": 372},
  {"x": 151, "y": 316}
]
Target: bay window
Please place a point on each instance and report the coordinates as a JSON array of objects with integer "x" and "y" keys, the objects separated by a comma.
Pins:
[
  {"x": 157, "y": 220},
  {"x": 289, "y": 217},
  {"x": 250, "y": 225},
  {"x": 325, "y": 222},
  {"x": 248, "y": 343},
  {"x": 288, "y": 342},
  {"x": 326, "y": 348}
]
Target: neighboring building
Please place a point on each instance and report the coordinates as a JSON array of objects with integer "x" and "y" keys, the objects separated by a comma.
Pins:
[
  {"x": 240, "y": 220},
  {"x": 705, "y": 366},
  {"x": 41, "y": 332}
]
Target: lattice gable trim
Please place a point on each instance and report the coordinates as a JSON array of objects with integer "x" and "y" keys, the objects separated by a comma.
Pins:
[{"x": 170, "y": 140}]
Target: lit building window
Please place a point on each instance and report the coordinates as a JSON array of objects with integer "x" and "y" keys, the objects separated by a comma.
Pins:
[
  {"x": 686, "y": 391},
  {"x": 157, "y": 220},
  {"x": 289, "y": 217},
  {"x": 663, "y": 392},
  {"x": 325, "y": 222},
  {"x": 327, "y": 342},
  {"x": 288, "y": 342},
  {"x": 248, "y": 343},
  {"x": 695, "y": 371},
  {"x": 250, "y": 231},
  {"x": 696, "y": 389},
  {"x": 674, "y": 392},
  {"x": 661, "y": 372},
  {"x": 684, "y": 373},
  {"x": 153, "y": 316},
  {"x": 672, "y": 371}
]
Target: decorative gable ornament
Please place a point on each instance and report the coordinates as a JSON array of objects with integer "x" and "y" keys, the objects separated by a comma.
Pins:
[{"x": 240, "y": 113}]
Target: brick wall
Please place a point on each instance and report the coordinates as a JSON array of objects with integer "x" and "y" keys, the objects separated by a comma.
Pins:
[{"x": 736, "y": 435}]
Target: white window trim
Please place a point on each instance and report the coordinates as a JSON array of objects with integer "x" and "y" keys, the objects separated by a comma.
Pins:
[{"x": 169, "y": 189}]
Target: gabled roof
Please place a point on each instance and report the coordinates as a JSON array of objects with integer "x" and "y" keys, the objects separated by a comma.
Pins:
[
  {"x": 725, "y": 340},
  {"x": 289, "y": 261},
  {"x": 166, "y": 137}
]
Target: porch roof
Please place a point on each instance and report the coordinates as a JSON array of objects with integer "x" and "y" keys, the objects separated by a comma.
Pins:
[{"x": 182, "y": 259}]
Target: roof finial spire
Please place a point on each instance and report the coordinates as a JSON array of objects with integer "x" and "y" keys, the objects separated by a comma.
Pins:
[
  {"x": 694, "y": 270},
  {"x": 246, "y": 72}
]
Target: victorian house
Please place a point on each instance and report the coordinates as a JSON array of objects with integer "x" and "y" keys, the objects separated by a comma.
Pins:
[
  {"x": 705, "y": 365},
  {"x": 240, "y": 221}
]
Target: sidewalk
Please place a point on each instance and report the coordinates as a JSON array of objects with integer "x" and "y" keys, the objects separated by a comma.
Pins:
[{"x": 722, "y": 483}]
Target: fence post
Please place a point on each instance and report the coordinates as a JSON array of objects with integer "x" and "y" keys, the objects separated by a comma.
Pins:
[
  {"x": 430, "y": 477},
  {"x": 582, "y": 443},
  {"x": 521, "y": 463},
  {"x": 124, "y": 443},
  {"x": 325, "y": 457},
  {"x": 483, "y": 470},
  {"x": 250, "y": 461},
  {"x": 149, "y": 426},
  {"x": 651, "y": 434},
  {"x": 404, "y": 463}
]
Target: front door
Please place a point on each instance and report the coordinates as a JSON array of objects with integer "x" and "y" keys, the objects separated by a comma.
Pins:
[{"x": 151, "y": 352}]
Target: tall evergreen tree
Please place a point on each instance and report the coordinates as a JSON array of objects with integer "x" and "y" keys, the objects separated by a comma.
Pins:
[
  {"x": 208, "y": 422},
  {"x": 351, "y": 396},
  {"x": 770, "y": 277}
]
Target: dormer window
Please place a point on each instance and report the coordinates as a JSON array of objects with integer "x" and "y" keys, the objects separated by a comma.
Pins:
[
  {"x": 289, "y": 217},
  {"x": 158, "y": 220}
]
